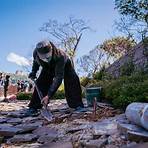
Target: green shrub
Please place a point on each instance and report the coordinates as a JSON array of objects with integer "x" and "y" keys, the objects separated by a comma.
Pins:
[
  {"x": 84, "y": 81},
  {"x": 99, "y": 75},
  {"x": 126, "y": 90},
  {"x": 60, "y": 94},
  {"x": 24, "y": 96}
]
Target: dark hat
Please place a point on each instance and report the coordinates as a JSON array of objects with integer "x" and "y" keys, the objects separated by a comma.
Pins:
[{"x": 44, "y": 50}]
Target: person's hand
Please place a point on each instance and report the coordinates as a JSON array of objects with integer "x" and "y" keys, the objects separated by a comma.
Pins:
[
  {"x": 32, "y": 75},
  {"x": 45, "y": 101}
]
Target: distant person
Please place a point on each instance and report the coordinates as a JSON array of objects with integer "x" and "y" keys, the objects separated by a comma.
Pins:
[
  {"x": 22, "y": 86},
  {"x": 56, "y": 66},
  {"x": 1, "y": 78},
  {"x": 6, "y": 84},
  {"x": 18, "y": 86}
]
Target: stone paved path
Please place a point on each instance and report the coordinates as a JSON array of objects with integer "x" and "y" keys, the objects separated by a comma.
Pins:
[{"x": 67, "y": 130}]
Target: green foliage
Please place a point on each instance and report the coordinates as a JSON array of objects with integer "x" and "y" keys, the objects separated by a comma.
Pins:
[
  {"x": 24, "y": 96},
  {"x": 60, "y": 94},
  {"x": 100, "y": 74},
  {"x": 134, "y": 18},
  {"x": 27, "y": 96},
  {"x": 133, "y": 8},
  {"x": 126, "y": 90},
  {"x": 84, "y": 81}
]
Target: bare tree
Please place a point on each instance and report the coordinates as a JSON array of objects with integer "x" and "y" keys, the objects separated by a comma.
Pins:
[
  {"x": 68, "y": 34},
  {"x": 93, "y": 61},
  {"x": 132, "y": 28}
]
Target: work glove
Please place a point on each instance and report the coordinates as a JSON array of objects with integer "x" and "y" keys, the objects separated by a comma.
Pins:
[{"x": 32, "y": 75}]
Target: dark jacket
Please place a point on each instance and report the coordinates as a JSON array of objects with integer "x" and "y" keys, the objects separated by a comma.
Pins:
[{"x": 55, "y": 66}]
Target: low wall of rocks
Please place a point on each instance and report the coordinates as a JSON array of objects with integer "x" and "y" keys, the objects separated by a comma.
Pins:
[{"x": 138, "y": 56}]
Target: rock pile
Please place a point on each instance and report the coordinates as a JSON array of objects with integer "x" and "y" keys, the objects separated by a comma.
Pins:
[{"x": 69, "y": 128}]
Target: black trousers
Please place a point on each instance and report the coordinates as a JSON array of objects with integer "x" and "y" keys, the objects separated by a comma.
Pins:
[{"x": 72, "y": 87}]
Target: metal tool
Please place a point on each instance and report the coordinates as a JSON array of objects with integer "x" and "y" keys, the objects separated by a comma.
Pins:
[{"x": 45, "y": 111}]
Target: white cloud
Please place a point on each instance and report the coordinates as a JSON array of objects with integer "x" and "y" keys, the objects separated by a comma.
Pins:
[{"x": 17, "y": 59}]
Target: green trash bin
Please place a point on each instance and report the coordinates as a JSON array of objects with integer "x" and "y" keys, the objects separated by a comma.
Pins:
[{"x": 91, "y": 93}]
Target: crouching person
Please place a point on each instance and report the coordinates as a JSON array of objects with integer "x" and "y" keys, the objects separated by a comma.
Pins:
[{"x": 56, "y": 66}]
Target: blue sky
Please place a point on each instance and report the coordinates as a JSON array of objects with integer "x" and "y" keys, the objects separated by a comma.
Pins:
[{"x": 20, "y": 21}]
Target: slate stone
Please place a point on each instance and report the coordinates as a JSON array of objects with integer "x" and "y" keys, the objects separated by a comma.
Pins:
[
  {"x": 122, "y": 119},
  {"x": 46, "y": 131},
  {"x": 15, "y": 114},
  {"x": 3, "y": 120},
  {"x": 142, "y": 145},
  {"x": 22, "y": 138},
  {"x": 29, "y": 127},
  {"x": 4, "y": 113},
  {"x": 57, "y": 145},
  {"x": 4, "y": 125},
  {"x": 46, "y": 134},
  {"x": 8, "y": 131},
  {"x": 31, "y": 119},
  {"x": 105, "y": 127},
  {"x": 96, "y": 143},
  {"x": 75, "y": 129},
  {"x": 46, "y": 138},
  {"x": 14, "y": 121},
  {"x": 138, "y": 136},
  {"x": 123, "y": 128}
]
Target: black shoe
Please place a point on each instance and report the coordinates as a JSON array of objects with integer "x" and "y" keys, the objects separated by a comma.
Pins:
[{"x": 31, "y": 112}]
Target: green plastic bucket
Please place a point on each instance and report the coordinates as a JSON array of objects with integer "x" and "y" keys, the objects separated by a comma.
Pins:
[{"x": 91, "y": 93}]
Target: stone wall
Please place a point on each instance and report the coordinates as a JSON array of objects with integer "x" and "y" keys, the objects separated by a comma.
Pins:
[{"x": 137, "y": 56}]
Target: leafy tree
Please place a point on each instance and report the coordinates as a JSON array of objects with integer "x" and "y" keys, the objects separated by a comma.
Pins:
[
  {"x": 68, "y": 34},
  {"x": 118, "y": 46},
  {"x": 138, "y": 9},
  {"x": 134, "y": 18}
]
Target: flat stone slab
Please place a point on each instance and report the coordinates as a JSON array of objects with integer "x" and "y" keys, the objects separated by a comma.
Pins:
[
  {"x": 96, "y": 143},
  {"x": 123, "y": 128},
  {"x": 122, "y": 119},
  {"x": 46, "y": 139},
  {"x": 57, "y": 145},
  {"x": 3, "y": 120},
  {"x": 15, "y": 114},
  {"x": 4, "y": 113},
  {"x": 138, "y": 136},
  {"x": 105, "y": 127},
  {"x": 143, "y": 145},
  {"x": 4, "y": 125},
  {"x": 29, "y": 127},
  {"x": 8, "y": 131},
  {"x": 76, "y": 129},
  {"x": 133, "y": 132},
  {"x": 42, "y": 131},
  {"x": 22, "y": 138},
  {"x": 14, "y": 121}
]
